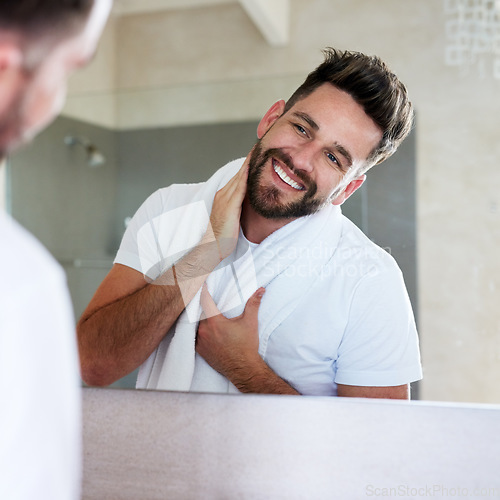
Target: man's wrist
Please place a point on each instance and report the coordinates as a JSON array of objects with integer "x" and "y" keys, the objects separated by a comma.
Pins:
[
  {"x": 210, "y": 247},
  {"x": 259, "y": 378}
]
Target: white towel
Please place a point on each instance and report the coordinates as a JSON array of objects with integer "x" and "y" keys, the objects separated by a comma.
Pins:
[{"x": 287, "y": 264}]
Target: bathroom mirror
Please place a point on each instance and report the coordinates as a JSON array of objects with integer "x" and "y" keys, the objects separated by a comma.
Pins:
[{"x": 208, "y": 68}]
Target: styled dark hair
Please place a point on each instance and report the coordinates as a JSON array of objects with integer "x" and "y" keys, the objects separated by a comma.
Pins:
[
  {"x": 372, "y": 85},
  {"x": 33, "y": 18}
]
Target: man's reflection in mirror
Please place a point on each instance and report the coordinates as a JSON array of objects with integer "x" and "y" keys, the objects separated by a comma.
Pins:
[{"x": 254, "y": 281}]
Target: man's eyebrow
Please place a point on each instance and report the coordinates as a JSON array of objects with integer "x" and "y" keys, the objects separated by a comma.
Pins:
[
  {"x": 343, "y": 151},
  {"x": 307, "y": 119}
]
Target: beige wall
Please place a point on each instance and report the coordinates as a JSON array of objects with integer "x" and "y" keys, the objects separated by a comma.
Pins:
[
  {"x": 92, "y": 91},
  {"x": 212, "y": 64}
]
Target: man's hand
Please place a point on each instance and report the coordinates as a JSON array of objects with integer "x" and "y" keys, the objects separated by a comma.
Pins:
[
  {"x": 226, "y": 211},
  {"x": 231, "y": 346}
]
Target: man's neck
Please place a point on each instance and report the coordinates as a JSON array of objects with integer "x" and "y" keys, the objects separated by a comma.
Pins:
[{"x": 257, "y": 228}]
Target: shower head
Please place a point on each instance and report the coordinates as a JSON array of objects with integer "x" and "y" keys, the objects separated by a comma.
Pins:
[{"x": 94, "y": 157}]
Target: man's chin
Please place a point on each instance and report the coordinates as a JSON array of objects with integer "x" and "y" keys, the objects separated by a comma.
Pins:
[{"x": 286, "y": 212}]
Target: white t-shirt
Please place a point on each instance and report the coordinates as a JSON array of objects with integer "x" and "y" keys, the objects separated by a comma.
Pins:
[
  {"x": 355, "y": 327},
  {"x": 40, "y": 421}
]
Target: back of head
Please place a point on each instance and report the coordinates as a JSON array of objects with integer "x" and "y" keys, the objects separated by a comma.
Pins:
[
  {"x": 32, "y": 19},
  {"x": 372, "y": 85},
  {"x": 41, "y": 43}
]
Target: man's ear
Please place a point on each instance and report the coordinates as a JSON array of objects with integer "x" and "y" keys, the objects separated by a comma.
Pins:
[
  {"x": 274, "y": 112},
  {"x": 353, "y": 186}
]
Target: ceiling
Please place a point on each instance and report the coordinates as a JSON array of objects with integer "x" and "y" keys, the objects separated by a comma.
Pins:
[
  {"x": 140, "y": 6},
  {"x": 272, "y": 17}
]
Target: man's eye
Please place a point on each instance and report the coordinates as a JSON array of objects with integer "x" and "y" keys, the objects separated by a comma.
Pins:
[
  {"x": 332, "y": 158},
  {"x": 300, "y": 129}
]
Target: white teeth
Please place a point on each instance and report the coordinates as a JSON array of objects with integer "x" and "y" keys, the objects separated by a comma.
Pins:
[{"x": 285, "y": 177}]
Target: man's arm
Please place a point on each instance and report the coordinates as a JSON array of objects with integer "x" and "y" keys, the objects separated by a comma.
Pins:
[
  {"x": 231, "y": 347},
  {"x": 128, "y": 317}
]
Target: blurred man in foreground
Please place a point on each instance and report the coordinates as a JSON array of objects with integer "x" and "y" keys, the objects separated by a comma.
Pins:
[{"x": 41, "y": 43}]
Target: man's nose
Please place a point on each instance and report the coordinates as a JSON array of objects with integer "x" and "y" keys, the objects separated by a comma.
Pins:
[{"x": 303, "y": 158}]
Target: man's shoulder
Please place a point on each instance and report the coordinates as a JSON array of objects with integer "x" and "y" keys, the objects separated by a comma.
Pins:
[
  {"x": 174, "y": 190},
  {"x": 179, "y": 194}
]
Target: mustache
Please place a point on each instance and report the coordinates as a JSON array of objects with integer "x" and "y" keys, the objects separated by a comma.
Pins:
[{"x": 285, "y": 158}]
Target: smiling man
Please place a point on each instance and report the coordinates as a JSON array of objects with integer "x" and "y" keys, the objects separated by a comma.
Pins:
[{"x": 254, "y": 281}]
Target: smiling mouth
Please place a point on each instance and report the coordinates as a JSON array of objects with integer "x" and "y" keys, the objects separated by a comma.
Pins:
[{"x": 282, "y": 175}]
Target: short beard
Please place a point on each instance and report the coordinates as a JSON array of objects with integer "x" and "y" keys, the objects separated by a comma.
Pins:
[{"x": 265, "y": 200}]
